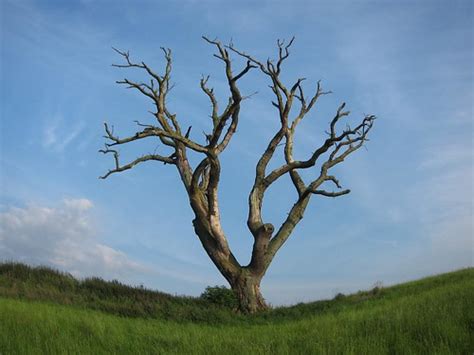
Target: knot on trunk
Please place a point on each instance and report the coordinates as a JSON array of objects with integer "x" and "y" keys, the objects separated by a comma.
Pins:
[{"x": 267, "y": 229}]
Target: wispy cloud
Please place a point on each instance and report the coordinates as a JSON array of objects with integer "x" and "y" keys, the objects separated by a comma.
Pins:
[{"x": 58, "y": 134}]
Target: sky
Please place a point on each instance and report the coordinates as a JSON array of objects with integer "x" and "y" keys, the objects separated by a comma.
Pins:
[{"x": 410, "y": 212}]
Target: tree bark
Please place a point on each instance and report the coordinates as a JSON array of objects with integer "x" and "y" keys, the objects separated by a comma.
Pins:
[
  {"x": 247, "y": 289},
  {"x": 244, "y": 281}
]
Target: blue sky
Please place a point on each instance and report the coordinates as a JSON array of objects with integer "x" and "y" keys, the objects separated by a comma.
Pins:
[{"x": 411, "y": 207}]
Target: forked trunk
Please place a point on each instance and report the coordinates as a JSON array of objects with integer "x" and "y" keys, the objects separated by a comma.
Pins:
[{"x": 247, "y": 289}]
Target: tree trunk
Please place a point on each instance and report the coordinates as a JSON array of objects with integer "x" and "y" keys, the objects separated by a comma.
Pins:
[{"x": 247, "y": 289}]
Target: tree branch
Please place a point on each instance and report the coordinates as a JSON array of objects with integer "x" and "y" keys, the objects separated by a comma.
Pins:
[
  {"x": 118, "y": 168},
  {"x": 210, "y": 93},
  {"x": 330, "y": 194},
  {"x": 351, "y": 135},
  {"x": 233, "y": 108},
  {"x": 154, "y": 131}
]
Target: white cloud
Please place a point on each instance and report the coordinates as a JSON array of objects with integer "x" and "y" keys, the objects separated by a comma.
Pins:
[
  {"x": 81, "y": 204},
  {"x": 64, "y": 237}
]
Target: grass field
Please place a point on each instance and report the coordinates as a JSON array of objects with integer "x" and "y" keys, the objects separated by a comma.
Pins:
[{"x": 431, "y": 316}]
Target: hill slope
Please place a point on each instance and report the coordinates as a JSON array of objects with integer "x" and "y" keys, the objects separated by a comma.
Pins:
[{"x": 432, "y": 315}]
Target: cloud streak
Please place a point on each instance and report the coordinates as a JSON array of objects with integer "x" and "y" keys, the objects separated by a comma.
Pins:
[{"x": 57, "y": 135}]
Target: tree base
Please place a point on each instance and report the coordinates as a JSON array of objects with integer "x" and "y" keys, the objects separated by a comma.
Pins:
[{"x": 247, "y": 290}]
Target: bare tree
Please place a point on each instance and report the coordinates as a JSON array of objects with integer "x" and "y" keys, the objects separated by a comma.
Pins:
[{"x": 202, "y": 181}]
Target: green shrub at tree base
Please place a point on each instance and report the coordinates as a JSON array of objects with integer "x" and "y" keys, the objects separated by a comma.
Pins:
[{"x": 220, "y": 296}]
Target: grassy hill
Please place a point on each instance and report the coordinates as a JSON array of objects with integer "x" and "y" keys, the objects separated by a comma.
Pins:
[{"x": 44, "y": 311}]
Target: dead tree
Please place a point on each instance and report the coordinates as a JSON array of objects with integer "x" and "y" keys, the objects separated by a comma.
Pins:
[{"x": 202, "y": 181}]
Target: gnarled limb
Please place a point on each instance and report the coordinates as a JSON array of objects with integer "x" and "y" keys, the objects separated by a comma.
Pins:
[{"x": 119, "y": 168}]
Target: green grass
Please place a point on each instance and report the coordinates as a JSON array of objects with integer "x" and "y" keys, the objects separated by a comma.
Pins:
[
  {"x": 21, "y": 281},
  {"x": 430, "y": 316}
]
